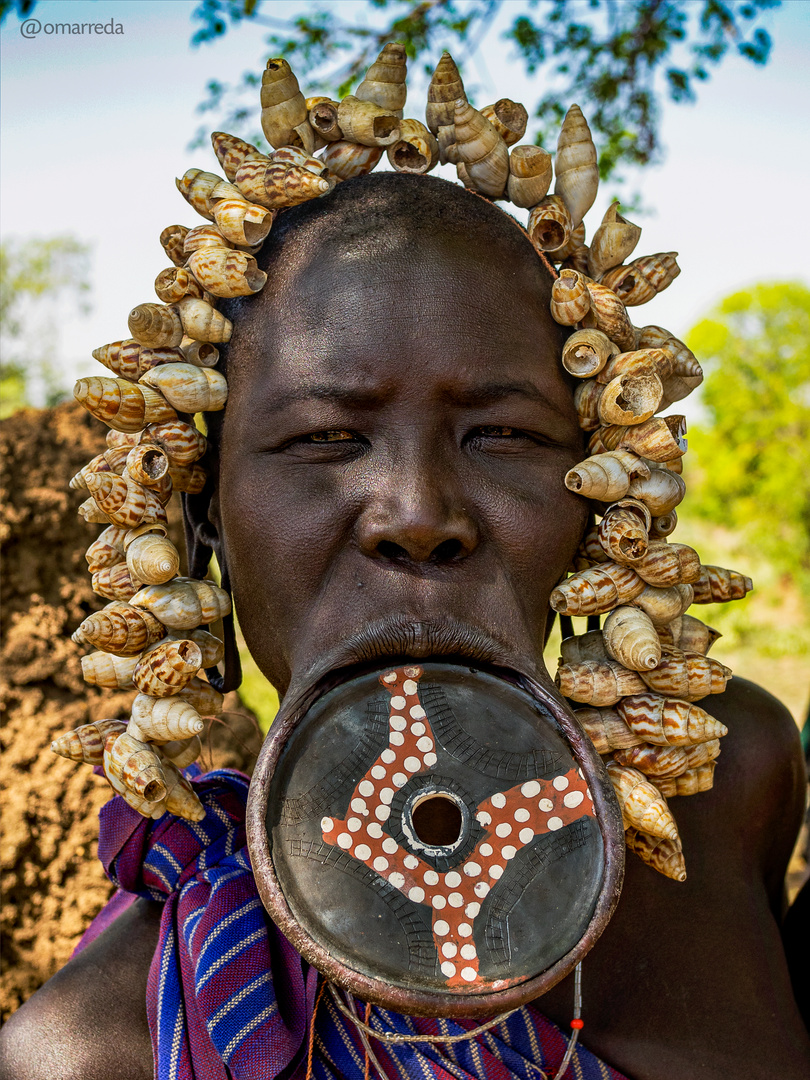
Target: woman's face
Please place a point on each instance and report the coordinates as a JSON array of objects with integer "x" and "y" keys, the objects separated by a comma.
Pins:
[{"x": 392, "y": 458}]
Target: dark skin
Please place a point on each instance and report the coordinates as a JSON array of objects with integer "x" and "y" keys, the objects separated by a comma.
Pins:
[{"x": 429, "y": 488}]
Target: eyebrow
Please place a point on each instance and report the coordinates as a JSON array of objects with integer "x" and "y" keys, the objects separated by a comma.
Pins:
[{"x": 469, "y": 397}]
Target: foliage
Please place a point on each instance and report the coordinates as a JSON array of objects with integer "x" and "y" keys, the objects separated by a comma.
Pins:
[
  {"x": 34, "y": 276},
  {"x": 753, "y": 452},
  {"x": 617, "y": 59}
]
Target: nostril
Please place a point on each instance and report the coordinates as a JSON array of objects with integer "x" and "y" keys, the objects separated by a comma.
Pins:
[
  {"x": 447, "y": 550},
  {"x": 389, "y": 550}
]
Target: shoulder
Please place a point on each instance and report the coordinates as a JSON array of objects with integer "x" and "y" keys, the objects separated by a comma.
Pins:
[{"x": 89, "y": 1021}]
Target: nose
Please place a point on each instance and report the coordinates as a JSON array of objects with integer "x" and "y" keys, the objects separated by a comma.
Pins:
[{"x": 417, "y": 516}]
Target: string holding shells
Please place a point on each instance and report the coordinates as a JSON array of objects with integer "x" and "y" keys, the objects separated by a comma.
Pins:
[{"x": 576, "y": 169}]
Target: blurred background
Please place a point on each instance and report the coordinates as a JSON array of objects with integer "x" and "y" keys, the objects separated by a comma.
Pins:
[{"x": 698, "y": 107}]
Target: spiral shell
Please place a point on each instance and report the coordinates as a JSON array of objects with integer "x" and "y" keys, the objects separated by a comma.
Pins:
[
  {"x": 644, "y": 278},
  {"x": 590, "y": 551},
  {"x": 611, "y": 316},
  {"x": 182, "y": 752},
  {"x": 367, "y": 124},
  {"x": 90, "y": 513},
  {"x": 384, "y": 84},
  {"x": 586, "y": 403},
  {"x": 231, "y": 152},
  {"x": 577, "y": 173},
  {"x": 664, "y": 605},
  {"x": 417, "y": 150},
  {"x": 606, "y": 729},
  {"x": 684, "y": 362},
  {"x": 550, "y": 225},
  {"x": 137, "y": 766},
  {"x": 578, "y": 648},
  {"x": 668, "y": 761},
  {"x": 146, "y": 465},
  {"x": 347, "y": 160},
  {"x": 119, "y": 628},
  {"x": 107, "y": 550},
  {"x": 199, "y": 353},
  {"x": 181, "y": 798},
  {"x": 586, "y": 351},
  {"x": 225, "y": 272},
  {"x": 444, "y": 91},
  {"x": 668, "y": 721},
  {"x": 509, "y": 118},
  {"x": 623, "y": 531},
  {"x": 690, "y": 676},
  {"x": 181, "y": 442},
  {"x": 574, "y": 247},
  {"x": 184, "y": 603},
  {"x": 530, "y": 172},
  {"x": 129, "y": 359},
  {"x": 480, "y": 148},
  {"x": 189, "y": 389},
  {"x": 205, "y": 699},
  {"x": 596, "y": 590},
  {"x": 107, "y": 670},
  {"x": 637, "y": 362},
  {"x": 154, "y": 809},
  {"x": 155, "y": 325},
  {"x": 323, "y": 119},
  {"x": 570, "y": 299},
  {"x": 716, "y": 585},
  {"x": 665, "y": 525},
  {"x": 202, "y": 322},
  {"x": 163, "y": 719},
  {"x": 689, "y": 634},
  {"x": 86, "y": 743},
  {"x": 167, "y": 668},
  {"x": 152, "y": 559},
  {"x": 172, "y": 240},
  {"x": 691, "y": 782},
  {"x": 631, "y": 639},
  {"x": 242, "y": 222},
  {"x": 171, "y": 285},
  {"x": 596, "y": 682},
  {"x": 605, "y": 476},
  {"x": 122, "y": 405},
  {"x": 661, "y": 438},
  {"x": 115, "y": 582},
  {"x": 613, "y": 241},
  {"x": 641, "y": 803},
  {"x": 276, "y": 184},
  {"x": 126, "y": 503},
  {"x": 630, "y": 399},
  {"x": 196, "y": 186},
  {"x": 204, "y": 236},
  {"x": 665, "y": 856},
  {"x": 188, "y": 478},
  {"x": 211, "y": 647},
  {"x": 666, "y": 564},
  {"x": 284, "y": 110}
]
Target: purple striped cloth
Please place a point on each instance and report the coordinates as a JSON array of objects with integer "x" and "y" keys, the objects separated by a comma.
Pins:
[{"x": 229, "y": 998}]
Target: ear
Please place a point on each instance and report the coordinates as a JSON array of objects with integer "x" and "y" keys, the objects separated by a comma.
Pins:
[{"x": 201, "y": 525}]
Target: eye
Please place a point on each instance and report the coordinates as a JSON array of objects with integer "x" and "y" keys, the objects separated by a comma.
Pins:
[
  {"x": 503, "y": 438},
  {"x": 497, "y": 431},
  {"x": 331, "y": 436}
]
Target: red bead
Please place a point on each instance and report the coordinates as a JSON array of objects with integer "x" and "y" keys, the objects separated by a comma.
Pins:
[{"x": 578, "y": 1024}]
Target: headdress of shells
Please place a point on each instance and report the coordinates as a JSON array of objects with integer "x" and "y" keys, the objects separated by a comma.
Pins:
[{"x": 634, "y": 680}]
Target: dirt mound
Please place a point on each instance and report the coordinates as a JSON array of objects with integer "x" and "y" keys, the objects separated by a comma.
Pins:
[{"x": 52, "y": 883}]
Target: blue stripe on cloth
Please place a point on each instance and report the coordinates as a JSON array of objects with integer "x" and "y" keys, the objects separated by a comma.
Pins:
[{"x": 228, "y": 997}]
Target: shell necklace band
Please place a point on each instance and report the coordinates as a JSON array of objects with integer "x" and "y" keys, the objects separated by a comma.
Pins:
[{"x": 634, "y": 681}]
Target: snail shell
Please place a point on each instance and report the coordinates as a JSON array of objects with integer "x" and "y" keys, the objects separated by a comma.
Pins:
[
  {"x": 587, "y": 351},
  {"x": 155, "y": 325},
  {"x": 163, "y": 718},
  {"x": 188, "y": 478},
  {"x": 578, "y": 648},
  {"x": 205, "y": 699},
  {"x": 384, "y": 84},
  {"x": 668, "y": 564},
  {"x": 115, "y": 583},
  {"x": 276, "y": 184},
  {"x": 668, "y": 761},
  {"x": 173, "y": 283},
  {"x": 204, "y": 236},
  {"x": 181, "y": 442},
  {"x": 576, "y": 242},
  {"x": 575, "y": 165},
  {"x": 596, "y": 590},
  {"x": 86, "y": 743},
  {"x": 107, "y": 549},
  {"x": 661, "y": 438},
  {"x": 644, "y": 278},
  {"x": 665, "y": 856},
  {"x": 550, "y": 225},
  {"x": 624, "y": 530},
  {"x": 668, "y": 721},
  {"x": 690, "y": 676},
  {"x": 199, "y": 353},
  {"x": 243, "y": 222},
  {"x": 367, "y": 124},
  {"x": 716, "y": 585},
  {"x": 417, "y": 150},
  {"x": 613, "y": 241},
  {"x": 606, "y": 729},
  {"x": 637, "y": 362},
  {"x": 172, "y": 240},
  {"x": 684, "y": 362},
  {"x": 664, "y": 605},
  {"x": 189, "y": 389},
  {"x": 122, "y": 405},
  {"x": 136, "y": 765},
  {"x": 211, "y": 647},
  {"x": 641, "y": 803},
  {"x": 152, "y": 559},
  {"x": 129, "y": 359},
  {"x": 444, "y": 90},
  {"x": 347, "y": 160},
  {"x": 147, "y": 465},
  {"x": 232, "y": 152},
  {"x": 109, "y": 671},
  {"x": 125, "y": 502},
  {"x": 196, "y": 186},
  {"x": 120, "y": 628},
  {"x": 629, "y": 399},
  {"x": 181, "y": 798},
  {"x": 605, "y": 476},
  {"x": 570, "y": 298},
  {"x": 631, "y": 639},
  {"x": 90, "y": 513},
  {"x": 611, "y": 316},
  {"x": 530, "y": 173},
  {"x": 78, "y": 482},
  {"x": 689, "y": 783},
  {"x": 509, "y": 118},
  {"x": 284, "y": 110},
  {"x": 597, "y": 682},
  {"x": 202, "y": 322},
  {"x": 586, "y": 402},
  {"x": 182, "y": 752},
  {"x": 590, "y": 551},
  {"x": 184, "y": 603},
  {"x": 689, "y": 634},
  {"x": 225, "y": 272},
  {"x": 167, "y": 668},
  {"x": 154, "y": 809},
  {"x": 323, "y": 119}
]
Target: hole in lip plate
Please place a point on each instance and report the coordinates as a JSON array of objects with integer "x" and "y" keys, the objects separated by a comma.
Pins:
[{"x": 435, "y": 821}]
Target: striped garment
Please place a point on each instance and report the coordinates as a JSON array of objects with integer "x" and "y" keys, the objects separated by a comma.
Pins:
[{"x": 228, "y": 996}]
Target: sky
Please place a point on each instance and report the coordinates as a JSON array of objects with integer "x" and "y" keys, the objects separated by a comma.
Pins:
[{"x": 96, "y": 126}]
